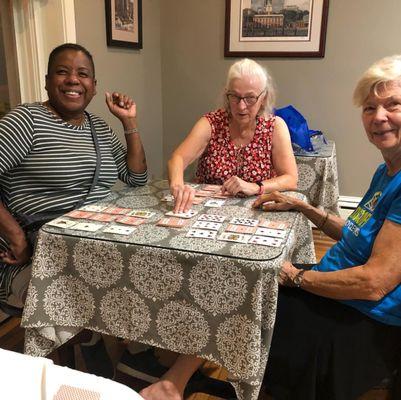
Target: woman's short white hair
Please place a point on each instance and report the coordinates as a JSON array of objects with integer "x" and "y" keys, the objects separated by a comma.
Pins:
[
  {"x": 382, "y": 72},
  {"x": 247, "y": 67}
]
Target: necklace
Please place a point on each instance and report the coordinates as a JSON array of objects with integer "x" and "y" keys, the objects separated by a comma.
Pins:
[{"x": 73, "y": 121}]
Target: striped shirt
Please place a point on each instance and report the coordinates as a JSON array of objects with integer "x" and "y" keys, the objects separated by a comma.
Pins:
[{"x": 47, "y": 165}]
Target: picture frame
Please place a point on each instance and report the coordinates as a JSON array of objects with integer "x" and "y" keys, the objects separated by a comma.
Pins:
[
  {"x": 275, "y": 28},
  {"x": 124, "y": 23}
]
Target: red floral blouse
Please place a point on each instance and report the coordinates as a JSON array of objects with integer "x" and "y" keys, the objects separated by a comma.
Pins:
[{"x": 222, "y": 159}]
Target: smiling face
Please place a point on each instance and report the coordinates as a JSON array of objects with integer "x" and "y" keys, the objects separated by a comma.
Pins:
[
  {"x": 70, "y": 84},
  {"x": 381, "y": 116},
  {"x": 247, "y": 86}
]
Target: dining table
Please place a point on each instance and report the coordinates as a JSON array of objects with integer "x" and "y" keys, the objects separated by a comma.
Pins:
[{"x": 158, "y": 286}]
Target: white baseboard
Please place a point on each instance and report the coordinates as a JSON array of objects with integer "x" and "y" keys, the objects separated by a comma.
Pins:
[{"x": 347, "y": 205}]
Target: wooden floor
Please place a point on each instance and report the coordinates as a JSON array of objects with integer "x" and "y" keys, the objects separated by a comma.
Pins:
[{"x": 12, "y": 336}]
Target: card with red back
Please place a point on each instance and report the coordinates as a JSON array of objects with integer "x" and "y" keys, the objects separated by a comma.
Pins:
[
  {"x": 264, "y": 223},
  {"x": 79, "y": 214},
  {"x": 127, "y": 220},
  {"x": 198, "y": 200},
  {"x": 249, "y": 230},
  {"x": 172, "y": 222},
  {"x": 203, "y": 193},
  {"x": 212, "y": 188},
  {"x": 117, "y": 210},
  {"x": 220, "y": 195},
  {"x": 102, "y": 217},
  {"x": 66, "y": 392}
]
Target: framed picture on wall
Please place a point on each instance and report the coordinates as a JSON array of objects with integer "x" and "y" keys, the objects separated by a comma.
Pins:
[
  {"x": 124, "y": 23},
  {"x": 275, "y": 28}
]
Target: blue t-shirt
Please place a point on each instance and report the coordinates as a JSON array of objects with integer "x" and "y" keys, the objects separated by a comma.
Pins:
[{"x": 382, "y": 201}]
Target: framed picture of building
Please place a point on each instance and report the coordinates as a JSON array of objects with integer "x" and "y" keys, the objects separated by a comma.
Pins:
[
  {"x": 124, "y": 23},
  {"x": 275, "y": 28}
]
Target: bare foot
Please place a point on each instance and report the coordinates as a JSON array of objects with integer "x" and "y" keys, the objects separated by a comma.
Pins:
[{"x": 161, "y": 390}]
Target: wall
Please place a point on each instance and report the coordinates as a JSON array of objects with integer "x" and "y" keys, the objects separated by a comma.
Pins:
[
  {"x": 135, "y": 72},
  {"x": 194, "y": 68}
]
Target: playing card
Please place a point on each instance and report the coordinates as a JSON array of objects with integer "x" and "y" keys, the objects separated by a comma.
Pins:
[
  {"x": 241, "y": 229},
  {"x": 220, "y": 195},
  {"x": 66, "y": 392},
  {"x": 142, "y": 214},
  {"x": 201, "y": 233},
  {"x": 273, "y": 224},
  {"x": 203, "y": 193},
  {"x": 62, "y": 223},
  {"x": 234, "y": 237},
  {"x": 130, "y": 220},
  {"x": 117, "y": 210},
  {"x": 93, "y": 208},
  {"x": 102, "y": 217},
  {"x": 119, "y": 230},
  {"x": 188, "y": 214},
  {"x": 212, "y": 188},
  {"x": 172, "y": 222},
  {"x": 244, "y": 221},
  {"x": 277, "y": 233},
  {"x": 265, "y": 241},
  {"x": 87, "y": 226},
  {"x": 167, "y": 197},
  {"x": 214, "y": 203},
  {"x": 79, "y": 214},
  {"x": 198, "y": 200},
  {"x": 214, "y": 226},
  {"x": 211, "y": 217}
]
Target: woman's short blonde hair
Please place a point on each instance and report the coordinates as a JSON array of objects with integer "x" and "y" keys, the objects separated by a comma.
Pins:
[
  {"x": 247, "y": 67},
  {"x": 382, "y": 72}
]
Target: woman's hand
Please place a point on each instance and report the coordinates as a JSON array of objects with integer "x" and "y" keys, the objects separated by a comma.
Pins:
[
  {"x": 235, "y": 186},
  {"x": 183, "y": 197},
  {"x": 277, "y": 201},
  {"x": 287, "y": 274},
  {"x": 121, "y": 105},
  {"x": 19, "y": 253}
]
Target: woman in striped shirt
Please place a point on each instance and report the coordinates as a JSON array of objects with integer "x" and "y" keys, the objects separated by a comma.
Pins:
[{"x": 48, "y": 156}]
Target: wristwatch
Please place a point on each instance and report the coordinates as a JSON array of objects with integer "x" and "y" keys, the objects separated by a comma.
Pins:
[{"x": 299, "y": 277}]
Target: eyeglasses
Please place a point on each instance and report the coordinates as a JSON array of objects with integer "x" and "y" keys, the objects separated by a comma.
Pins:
[{"x": 248, "y": 100}]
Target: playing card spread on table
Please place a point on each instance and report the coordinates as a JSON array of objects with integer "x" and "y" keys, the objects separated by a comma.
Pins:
[
  {"x": 241, "y": 229},
  {"x": 201, "y": 233},
  {"x": 142, "y": 214},
  {"x": 198, "y": 200},
  {"x": 234, "y": 237},
  {"x": 62, "y": 223},
  {"x": 119, "y": 230},
  {"x": 102, "y": 217},
  {"x": 117, "y": 210},
  {"x": 87, "y": 226},
  {"x": 203, "y": 193},
  {"x": 273, "y": 224},
  {"x": 219, "y": 195},
  {"x": 172, "y": 222},
  {"x": 211, "y": 218},
  {"x": 127, "y": 220},
  {"x": 79, "y": 214},
  {"x": 244, "y": 221},
  {"x": 214, "y": 226},
  {"x": 212, "y": 188},
  {"x": 277, "y": 233},
  {"x": 93, "y": 208},
  {"x": 214, "y": 203},
  {"x": 188, "y": 214},
  {"x": 265, "y": 241},
  {"x": 66, "y": 392}
]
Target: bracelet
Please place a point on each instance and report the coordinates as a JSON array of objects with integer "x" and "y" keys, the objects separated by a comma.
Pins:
[
  {"x": 130, "y": 131},
  {"x": 323, "y": 223},
  {"x": 261, "y": 188}
]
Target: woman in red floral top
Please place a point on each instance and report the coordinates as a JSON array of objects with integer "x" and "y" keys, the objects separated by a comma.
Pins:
[{"x": 242, "y": 147}]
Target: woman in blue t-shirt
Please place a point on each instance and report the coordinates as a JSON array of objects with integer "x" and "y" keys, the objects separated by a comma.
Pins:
[{"x": 341, "y": 333}]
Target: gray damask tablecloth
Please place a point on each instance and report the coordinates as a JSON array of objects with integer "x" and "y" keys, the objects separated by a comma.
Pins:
[
  {"x": 318, "y": 178},
  {"x": 196, "y": 296}
]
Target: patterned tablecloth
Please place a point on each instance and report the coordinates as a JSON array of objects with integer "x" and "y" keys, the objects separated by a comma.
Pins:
[
  {"x": 318, "y": 178},
  {"x": 197, "y": 296}
]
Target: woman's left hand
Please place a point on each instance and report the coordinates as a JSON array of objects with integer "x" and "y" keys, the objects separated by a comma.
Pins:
[
  {"x": 287, "y": 274},
  {"x": 236, "y": 185},
  {"x": 121, "y": 105}
]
